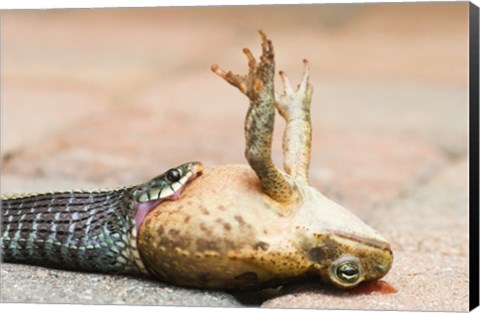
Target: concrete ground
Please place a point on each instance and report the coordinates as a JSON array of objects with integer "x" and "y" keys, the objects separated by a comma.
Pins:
[{"x": 99, "y": 98}]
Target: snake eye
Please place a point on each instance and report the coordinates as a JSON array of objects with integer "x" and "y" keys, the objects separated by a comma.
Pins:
[
  {"x": 173, "y": 175},
  {"x": 346, "y": 272}
]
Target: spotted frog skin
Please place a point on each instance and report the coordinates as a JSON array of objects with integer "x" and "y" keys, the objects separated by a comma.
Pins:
[{"x": 255, "y": 226}]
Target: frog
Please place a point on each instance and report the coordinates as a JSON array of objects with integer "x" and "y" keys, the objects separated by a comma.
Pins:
[{"x": 254, "y": 226}]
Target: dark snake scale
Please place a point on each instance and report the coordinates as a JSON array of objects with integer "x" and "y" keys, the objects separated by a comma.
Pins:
[{"x": 86, "y": 230}]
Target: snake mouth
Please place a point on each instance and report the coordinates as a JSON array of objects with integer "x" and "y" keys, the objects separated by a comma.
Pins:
[
  {"x": 196, "y": 168},
  {"x": 176, "y": 194},
  {"x": 144, "y": 208}
]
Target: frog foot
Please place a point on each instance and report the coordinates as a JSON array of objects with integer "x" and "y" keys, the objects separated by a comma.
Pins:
[
  {"x": 294, "y": 106},
  {"x": 258, "y": 86},
  {"x": 259, "y": 80}
]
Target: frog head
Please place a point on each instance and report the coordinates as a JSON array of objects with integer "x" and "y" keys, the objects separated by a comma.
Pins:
[{"x": 342, "y": 249}]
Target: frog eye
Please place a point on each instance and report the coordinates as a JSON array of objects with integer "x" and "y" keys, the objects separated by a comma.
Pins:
[
  {"x": 173, "y": 175},
  {"x": 346, "y": 272}
]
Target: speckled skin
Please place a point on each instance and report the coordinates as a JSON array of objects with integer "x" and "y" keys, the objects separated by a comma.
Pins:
[{"x": 249, "y": 227}]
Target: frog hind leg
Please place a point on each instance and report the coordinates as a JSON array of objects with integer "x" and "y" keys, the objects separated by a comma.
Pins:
[
  {"x": 294, "y": 106},
  {"x": 258, "y": 86}
]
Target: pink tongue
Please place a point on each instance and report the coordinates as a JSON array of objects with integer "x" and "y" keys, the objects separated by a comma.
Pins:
[{"x": 142, "y": 210}]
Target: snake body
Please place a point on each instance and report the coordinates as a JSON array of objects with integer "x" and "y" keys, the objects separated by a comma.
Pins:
[{"x": 86, "y": 230}]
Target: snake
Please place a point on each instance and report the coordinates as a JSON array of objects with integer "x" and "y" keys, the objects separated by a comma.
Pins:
[{"x": 86, "y": 230}]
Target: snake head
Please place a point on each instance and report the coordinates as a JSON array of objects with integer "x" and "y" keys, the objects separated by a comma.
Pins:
[{"x": 167, "y": 186}]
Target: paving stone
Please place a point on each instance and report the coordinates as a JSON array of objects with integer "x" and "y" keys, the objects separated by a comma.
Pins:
[
  {"x": 123, "y": 147},
  {"x": 418, "y": 111},
  {"x": 432, "y": 218},
  {"x": 18, "y": 184},
  {"x": 363, "y": 171},
  {"x": 33, "y": 112},
  {"x": 31, "y": 284}
]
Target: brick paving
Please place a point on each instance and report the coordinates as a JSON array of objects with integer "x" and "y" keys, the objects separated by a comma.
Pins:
[{"x": 97, "y": 98}]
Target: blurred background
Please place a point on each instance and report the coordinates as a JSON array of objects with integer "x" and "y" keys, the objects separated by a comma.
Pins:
[
  {"x": 105, "y": 97},
  {"x": 124, "y": 93}
]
